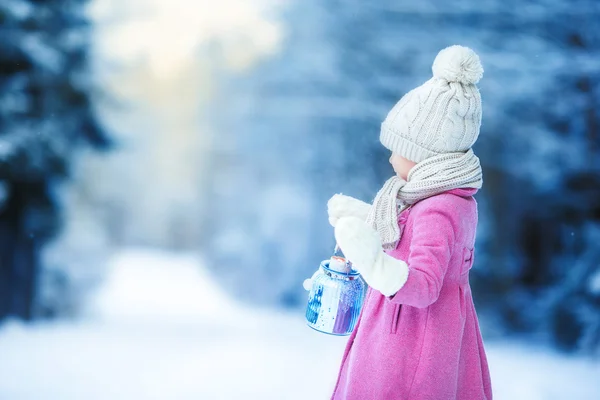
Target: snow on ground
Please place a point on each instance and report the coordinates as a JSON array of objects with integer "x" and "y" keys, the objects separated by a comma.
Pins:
[{"x": 159, "y": 329}]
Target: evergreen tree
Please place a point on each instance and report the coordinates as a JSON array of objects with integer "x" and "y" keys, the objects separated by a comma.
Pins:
[{"x": 45, "y": 114}]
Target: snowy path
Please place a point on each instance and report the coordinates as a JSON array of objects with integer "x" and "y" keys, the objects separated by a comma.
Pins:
[
  {"x": 163, "y": 362},
  {"x": 219, "y": 350}
]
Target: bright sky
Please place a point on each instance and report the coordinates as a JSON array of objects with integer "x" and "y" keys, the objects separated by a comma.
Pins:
[
  {"x": 159, "y": 64},
  {"x": 167, "y": 32}
]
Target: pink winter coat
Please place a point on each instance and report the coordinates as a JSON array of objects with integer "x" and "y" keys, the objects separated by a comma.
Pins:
[{"x": 424, "y": 342}]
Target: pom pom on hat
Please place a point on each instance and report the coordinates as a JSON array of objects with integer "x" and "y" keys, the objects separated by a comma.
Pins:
[{"x": 458, "y": 64}]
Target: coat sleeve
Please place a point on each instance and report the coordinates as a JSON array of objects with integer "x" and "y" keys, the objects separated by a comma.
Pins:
[{"x": 431, "y": 246}]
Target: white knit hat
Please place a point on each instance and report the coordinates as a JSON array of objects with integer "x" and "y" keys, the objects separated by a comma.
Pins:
[{"x": 441, "y": 116}]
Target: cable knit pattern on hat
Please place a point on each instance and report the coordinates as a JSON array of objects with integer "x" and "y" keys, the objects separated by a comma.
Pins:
[{"x": 441, "y": 116}]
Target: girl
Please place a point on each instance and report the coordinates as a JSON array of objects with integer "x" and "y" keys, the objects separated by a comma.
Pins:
[{"x": 418, "y": 337}]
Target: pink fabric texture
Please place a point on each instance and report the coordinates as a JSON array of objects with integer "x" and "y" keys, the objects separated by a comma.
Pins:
[{"x": 424, "y": 342}]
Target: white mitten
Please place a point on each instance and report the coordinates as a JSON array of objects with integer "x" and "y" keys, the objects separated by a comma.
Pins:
[
  {"x": 307, "y": 284},
  {"x": 340, "y": 205},
  {"x": 361, "y": 244}
]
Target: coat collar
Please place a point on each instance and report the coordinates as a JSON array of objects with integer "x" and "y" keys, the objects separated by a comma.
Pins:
[{"x": 463, "y": 192}]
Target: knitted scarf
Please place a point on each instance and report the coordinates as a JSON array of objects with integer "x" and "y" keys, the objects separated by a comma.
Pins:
[{"x": 432, "y": 176}]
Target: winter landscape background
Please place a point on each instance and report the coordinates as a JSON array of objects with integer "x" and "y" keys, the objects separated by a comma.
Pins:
[{"x": 165, "y": 165}]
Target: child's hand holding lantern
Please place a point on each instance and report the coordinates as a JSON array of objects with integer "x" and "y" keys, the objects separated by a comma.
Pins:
[
  {"x": 362, "y": 246},
  {"x": 340, "y": 205}
]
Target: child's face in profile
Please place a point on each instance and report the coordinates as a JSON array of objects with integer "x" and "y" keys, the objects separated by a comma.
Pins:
[{"x": 401, "y": 165}]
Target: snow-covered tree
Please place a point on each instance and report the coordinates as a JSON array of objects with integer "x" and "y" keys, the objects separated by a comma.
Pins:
[{"x": 45, "y": 114}]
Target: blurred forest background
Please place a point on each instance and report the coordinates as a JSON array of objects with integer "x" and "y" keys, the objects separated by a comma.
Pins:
[{"x": 225, "y": 132}]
